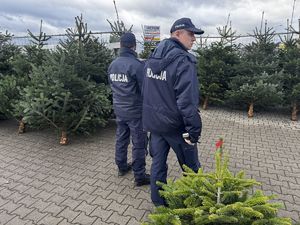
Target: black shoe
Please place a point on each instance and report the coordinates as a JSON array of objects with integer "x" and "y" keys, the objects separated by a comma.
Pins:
[
  {"x": 143, "y": 181},
  {"x": 124, "y": 172}
]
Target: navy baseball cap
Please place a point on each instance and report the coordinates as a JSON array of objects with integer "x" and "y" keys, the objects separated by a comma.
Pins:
[
  {"x": 128, "y": 40},
  {"x": 186, "y": 24}
]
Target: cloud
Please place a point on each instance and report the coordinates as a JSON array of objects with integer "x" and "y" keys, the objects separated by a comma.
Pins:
[{"x": 17, "y": 16}]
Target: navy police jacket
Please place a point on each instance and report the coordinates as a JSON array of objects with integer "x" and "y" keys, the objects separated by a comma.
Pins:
[
  {"x": 171, "y": 91},
  {"x": 125, "y": 75}
]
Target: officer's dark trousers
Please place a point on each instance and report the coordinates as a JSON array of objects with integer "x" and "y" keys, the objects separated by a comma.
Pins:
[
  {"x": 125, "y": 128},
  {"x": 159, "y": 150}
]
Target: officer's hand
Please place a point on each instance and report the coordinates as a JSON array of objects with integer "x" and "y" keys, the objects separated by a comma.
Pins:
[{"x": 188, "y": 142}]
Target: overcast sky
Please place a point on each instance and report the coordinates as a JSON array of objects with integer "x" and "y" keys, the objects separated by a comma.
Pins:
[{"x": 17, "y": 16}]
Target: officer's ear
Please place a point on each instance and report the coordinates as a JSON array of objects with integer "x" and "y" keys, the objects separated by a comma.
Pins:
[
  {"x": 177, "y": 33},
  {"x": 133, "y": 47}
]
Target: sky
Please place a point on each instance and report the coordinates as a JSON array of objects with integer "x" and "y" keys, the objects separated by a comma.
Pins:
[{"x": 17, "y": 16}]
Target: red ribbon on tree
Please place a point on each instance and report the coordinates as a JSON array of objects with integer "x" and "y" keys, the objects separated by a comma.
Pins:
[{"x": 219, "y": 146}]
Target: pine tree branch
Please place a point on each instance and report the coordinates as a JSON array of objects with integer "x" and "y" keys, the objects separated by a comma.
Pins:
[
  {"x": 46, "y": 118},
  {"x": 81, "y": 119}
]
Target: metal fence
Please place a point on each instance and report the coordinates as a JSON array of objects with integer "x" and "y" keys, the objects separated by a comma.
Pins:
[
  {"x": 246, "y": 39},
  {"x": 56, "y": 38},
  {"x": 200, "y": 41}
]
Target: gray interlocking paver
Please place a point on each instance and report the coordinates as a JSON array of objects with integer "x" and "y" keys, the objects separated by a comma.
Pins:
[
  {"x": 83, "y": 219},
  {"x": 89, "y": 180},
  {"x": 60, "y": 190},
  {"x": 78, "y": 183},
  {"x": 102, "y": 184},
  {"x": 145, "y": 217},
  {"x": 26, "y": 180},
  {"x": 5, "y": 217},
  {"x": 69, "y": 214},
  {"x": 21, "y": 188},
  {"x": 54, "y": 209},
  {"x": 118, "y": 219},
  {"x": 28, "y": 201},
  {"x": 87, "y": 188},
  {"x": 22, "y": 211},
  {"x": 116, "y": 196},
  {"x": 48, "y": 187},
  {"x": 132, "y": 201},
  {"x": 58, "y": 199},
  {"x": 130, "y": 191},
  {"x": 127, "y": 182},
  {"x": 100, "y": 222},
  {"x": 72, "y": 203},
  {"x": 133, "y": 221},
  {"x": 101, "y": 213},
  {"x": 86, "y": 208},
  {"x": 5, "y": 192},
  {"x": 50, "y": 220},
  {"x": 44, "y": 195},
  {"x": 142, "y": 195},
  {"x": 100, "y": 201},
  {"x": 100, "y": 192},
  {"x": 87, "y": 197},
  {"x": 30, "y": 173},
  {"x": 41, "y": 177},
  {"x": 40, "y": 205},
  {"x": 17, "y": 221},
  {"x": 63, "y": 182},
  {"x": 146, "y": 205},
  {"x": 75, "y": 184},
  {"x": 35, "y": 216},
  {"x": 117, "y": 207},
  {"x": 64, "y": 222},
  {"x": 133, "y": 212},
  {"x": 32, "y": 191},
  {"x": 101, "y": 176},
  {"x": 72, "y": 193},
  {"x": 10, "y": 206}
]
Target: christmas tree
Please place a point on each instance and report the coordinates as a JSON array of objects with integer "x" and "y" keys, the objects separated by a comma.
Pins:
[
  {"x": 118, "y": 28},
  {"x": 289, "y": 62},
  {"x": 148, "y": 48},
  {"x": 8, "y": 82},
  {"x": 68, "y": 91},
  {"x": 218, "y": 197},
  {"x": 216, "y": 66},
  {"x": 257, "y": 81},
  {"x": 7, "y": 52},
  {"x": 32, "y": 56},
  {"x": 215, "y": 69}
]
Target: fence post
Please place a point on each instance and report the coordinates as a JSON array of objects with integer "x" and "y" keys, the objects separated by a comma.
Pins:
[{"x": 299, "y": 28}]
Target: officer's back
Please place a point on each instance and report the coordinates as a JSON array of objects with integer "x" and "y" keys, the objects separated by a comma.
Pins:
[{"x": 125, "y": 78}]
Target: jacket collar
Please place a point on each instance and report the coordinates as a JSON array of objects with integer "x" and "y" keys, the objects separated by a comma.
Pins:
[
  {"x": 127, "y": 52},
  {"x": 178, "y": 43}
]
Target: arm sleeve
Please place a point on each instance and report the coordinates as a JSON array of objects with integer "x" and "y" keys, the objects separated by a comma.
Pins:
[
  {"x": 140, "y": 75},
  {"x": 187, "y": 97}
]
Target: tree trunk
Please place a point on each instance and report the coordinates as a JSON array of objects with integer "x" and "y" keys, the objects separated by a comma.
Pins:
[
  {"x": 250, "y": 111},
  {"x": 205, "y": 102},
  {"x": 294, "y": 112},
  {"x": 63, "y": 138},
  {"x": 21, "y": 128}
]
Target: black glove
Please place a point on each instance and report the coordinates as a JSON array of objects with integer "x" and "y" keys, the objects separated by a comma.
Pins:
[
  {"x": 190, "y": 138},
  {"x": 193, "y": 138}
]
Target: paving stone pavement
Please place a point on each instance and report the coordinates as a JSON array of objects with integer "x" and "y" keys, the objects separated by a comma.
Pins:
[{"x": 42, "y": 182}]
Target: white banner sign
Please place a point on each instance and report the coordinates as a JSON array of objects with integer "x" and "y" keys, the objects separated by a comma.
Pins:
[{"x": 151, "y": 33}]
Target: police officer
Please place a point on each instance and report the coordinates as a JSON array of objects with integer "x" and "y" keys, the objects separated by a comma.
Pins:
[
  {"x": 170, "y": 103},
  {"x": 125, "y": 75}
]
